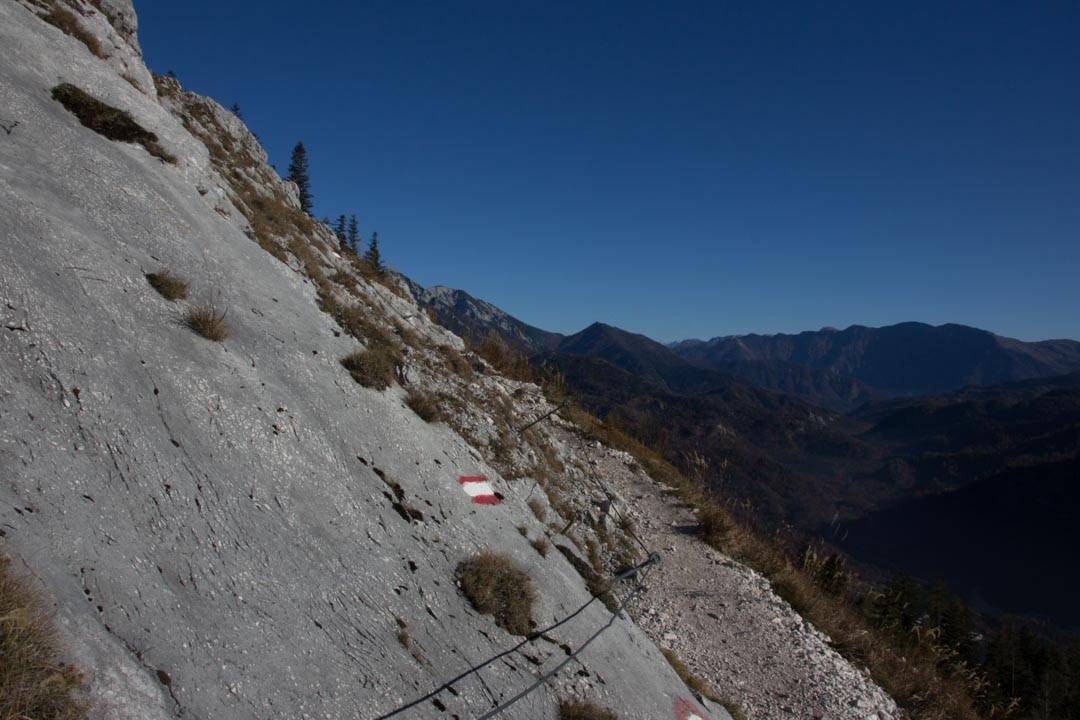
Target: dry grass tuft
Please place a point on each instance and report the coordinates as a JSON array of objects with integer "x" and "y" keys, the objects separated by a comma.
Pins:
[
  {"x": 538, "y": 509},
  {"x": 540, "y": 545},
  {"x": 584, "y": 710},
  {"x": 456, "y": 362},
  {"x": 108, "y": 121},
  {"x": 66, "y": 21},
  {"x": 496, "y": 586},
  {"x": 504, "y": 358},
  {"x": 714, "y": 524},
  {"x": 424, "y": 404},
  {"x": 205, "y": 320},
  {"x": 168, "y": 284},
  {"x": 699, "y": 686},
  {"x": 374, "y": 367},
  {"x": 33, "y": 681}
]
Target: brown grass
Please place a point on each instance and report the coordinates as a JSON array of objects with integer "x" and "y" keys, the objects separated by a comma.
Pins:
[
  {"x": 108, "y": 121},
  {"x": 538, "y": 509},
  {"x": 699, "y": 686},
  {"x": 504, "y": 358},
  {"x": 496, "y": 586},
  {"x": 205, "y": 319},
  {"x": 584, "y": 710},
  {"x": 34, "y": 683},
  {"x": 714, "y": 524},
  {"x": 69, "y": 24},
  {"x": 374, "y": 367},
  {"x": 540, "y": 545},
  {"x": 424, "y": 404},
  {"x": 456, "y": 362},
  {"x": 168, "y": 284}
]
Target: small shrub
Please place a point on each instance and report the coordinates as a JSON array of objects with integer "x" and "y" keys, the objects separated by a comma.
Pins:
[
  {"x": 375, "y": 366},
  {"x": 168, "y": 284},
  {"x": 504, "y": 358},
  {"x": 345, "y": 280},
  {"x": 69, "y": 24},
  {"x": 424, "y": 404},
  {"x": 584, "y": 710},
  {"x": 496, "y": 586},
  {"x": 456, "y": 362},
  {"x": 714, "y": 524},
  {"x": 110, "y": 122},
  {"x": 205, "y": 319},
  {"x": 540, "y": 545},
  {"x": 538, "y": 509},
  {"x": 33, "y": 681}
]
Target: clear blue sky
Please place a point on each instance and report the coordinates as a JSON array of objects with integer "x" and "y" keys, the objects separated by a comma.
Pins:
[{"x": 683, "y": 169}]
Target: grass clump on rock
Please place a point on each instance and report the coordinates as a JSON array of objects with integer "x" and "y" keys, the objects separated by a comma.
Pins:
[
  {"x": 373, "y": 367},
  {"x": 168, "y": 284},
  {"x": 33, "y": 681},
  {"x": 584, "y": 710},
  {"x": 66, "y": 21},
  {"x": 108, "y": 121},
  {"x": 496, "y": 586},
  {"x": 205, "y": 320},
  {"x": 540, "y": 545},
  {"x": 424, "y": 404},
  {"x": 699, "y": 686}
]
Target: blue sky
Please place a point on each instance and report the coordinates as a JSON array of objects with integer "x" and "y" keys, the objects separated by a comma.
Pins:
[{"x": 683, "y": 169}]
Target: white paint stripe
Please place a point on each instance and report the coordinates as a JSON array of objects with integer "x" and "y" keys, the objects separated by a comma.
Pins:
[{"x": 477, "y": 488}]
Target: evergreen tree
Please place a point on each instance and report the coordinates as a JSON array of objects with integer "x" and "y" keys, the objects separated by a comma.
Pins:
[
  {"x": 354, "y": 233},
  {"x": 235, "y": 109},
  {"x": 374, "y": 259},
  {"x": 298, "y": 173},
  {"x": 339, "y": 229}
]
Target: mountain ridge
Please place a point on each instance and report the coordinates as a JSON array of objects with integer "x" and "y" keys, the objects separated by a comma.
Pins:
[{"x": 833, "y": 368}]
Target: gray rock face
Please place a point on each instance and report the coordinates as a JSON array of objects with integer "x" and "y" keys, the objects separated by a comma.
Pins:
[{"x": 216, "y": 522}]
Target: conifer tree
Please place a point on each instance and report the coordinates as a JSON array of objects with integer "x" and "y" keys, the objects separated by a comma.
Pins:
[
  {"x": 339, "y": 229},
  {"x": 374, "y": 259},
  {"x": 354, "y": 233},
  {"x": 298, "y": 173},
  {"x": 235, "y": 110}
]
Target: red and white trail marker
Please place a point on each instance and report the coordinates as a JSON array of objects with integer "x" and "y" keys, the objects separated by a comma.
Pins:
[
  {"x": 479, "y": 489},
  {"x": 686, "y": 710}
]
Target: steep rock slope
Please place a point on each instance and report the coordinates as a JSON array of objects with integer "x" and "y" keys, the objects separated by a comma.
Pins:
[{"x": 238, "y": 529}]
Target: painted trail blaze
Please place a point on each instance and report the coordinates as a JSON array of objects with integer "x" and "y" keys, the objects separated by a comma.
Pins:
[
  {"x": 479, "y": 489},
  {"x": 686, "y": 710}
]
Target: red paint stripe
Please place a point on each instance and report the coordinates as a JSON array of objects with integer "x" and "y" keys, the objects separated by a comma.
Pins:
[
  {"x": 486, "y": 500},
  {"x": 471, "y": 479}
]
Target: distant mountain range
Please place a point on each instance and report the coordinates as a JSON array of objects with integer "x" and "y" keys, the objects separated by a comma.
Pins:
[
  {"x": 835, "y": 369},
  {"x": 843, "y": 368},
  {"x": 944, "y": 451}
]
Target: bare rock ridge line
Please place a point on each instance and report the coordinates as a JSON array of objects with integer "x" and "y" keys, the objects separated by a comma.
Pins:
[{"x": 232, "y": 526}]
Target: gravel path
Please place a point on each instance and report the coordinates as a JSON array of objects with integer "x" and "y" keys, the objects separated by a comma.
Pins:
[{"x": 723, "y": 620}]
